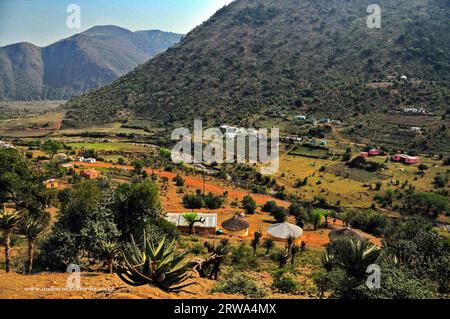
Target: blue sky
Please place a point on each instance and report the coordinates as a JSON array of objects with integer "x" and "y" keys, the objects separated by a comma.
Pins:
[{"x": 42, "y": 22}]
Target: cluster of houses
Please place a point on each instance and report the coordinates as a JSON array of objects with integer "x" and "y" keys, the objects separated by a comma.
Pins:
[
  {"x": 403, "y": 78},
  {"x": 404, "y": 158},
  {"x": 5, "y": 145},
  {"x": 232, "y": 131},
  {"x": 413, "y": 110},
  {"x": 316, "y": 142},
  {"x": 323, "y": 120},
  {"x": 81, "y": 159},
  {"x": 371, "y": 152},
  {"x": 236, "y": 226}
]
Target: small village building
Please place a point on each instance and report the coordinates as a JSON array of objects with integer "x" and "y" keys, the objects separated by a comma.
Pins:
[
  {"x": 412, "y": 160},
  {"x": 404, "y": 158},
  {"x": 323, "y": 143},
  {"x": 300, "y": 118},
  {"x": 344, "y": 233},
  {"x": 391, "y": 77},
  {"x": 209, "y": 227},
  {"x": 90, "y": 174},
  {"x": 416, "y": 129},
  {"x": 364, "y": 154},
  {"x": 6, "y": 145},
  {"x": 90, "y": 160},
  {"x": 79, "y": 159},
  {"x": 236, "y": 226},
  {"x": 51, "y": 184},
  {"x": 282, "y": 231},
  {"x": 60, "y": 157},
  {"x": 403, "y": 78},
  {"x": 325, "y": 120},
  {"x": 293, "y": 138},
  {"x": 67, "y": 165},
  {"x": 374, "y": 152}
]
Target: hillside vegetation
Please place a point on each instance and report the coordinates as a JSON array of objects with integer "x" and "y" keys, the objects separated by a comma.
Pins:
[{"x": 258, "y": 57}]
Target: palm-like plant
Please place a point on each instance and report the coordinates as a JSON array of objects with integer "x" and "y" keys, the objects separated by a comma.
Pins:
[
  {"x": 281, "y": 256},
  {"x": 110, "y": 251},
  {"x": 256, "y": 240},
  {"x": 158, "y": 265},
  {"x": 328, "y": 261},
  {"x": 294, "y": 251},
  {"x": 212, "y": 264},
  {"x": 268, "y": 245},
  {"x": 192, "y": 219},
  {"x": 355, "y": 255},
  {"x": 32, "y": 228},
  {"x": 9, "y": 221}
]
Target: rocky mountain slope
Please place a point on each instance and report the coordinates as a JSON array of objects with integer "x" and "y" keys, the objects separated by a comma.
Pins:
[
  {"x": 261, "y": 56},
  {"x": 77, "y": 64}
]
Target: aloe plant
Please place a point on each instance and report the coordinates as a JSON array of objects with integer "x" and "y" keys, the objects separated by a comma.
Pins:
[
  {"x": 109, "y": 251},
  {"x": 156, "y": 265}
]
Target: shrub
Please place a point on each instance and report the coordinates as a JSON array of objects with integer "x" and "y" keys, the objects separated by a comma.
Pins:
[
  {"x": 240, "y": 284},
  {"x": 179, "y": 181},
  {"x": 249, "y": 204},
  {"x": 269, "y": 207},
  {"x": 285, "y": 284},
  {"x": 193, "y": 201}
]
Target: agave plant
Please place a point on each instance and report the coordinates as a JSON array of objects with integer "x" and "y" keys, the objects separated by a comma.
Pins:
[
  {"x": 328, "y": 261},
  {"x": 110, "y": 251},
  {"x": 158, "y": 265},
  {"x": 355, "y": 255},
  {"x": 9, "y": 221},
  {"x": 282, "y": 256}
]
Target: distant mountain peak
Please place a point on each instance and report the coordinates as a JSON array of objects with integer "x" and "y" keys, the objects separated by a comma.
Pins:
[{"x": 76, "y": 64}]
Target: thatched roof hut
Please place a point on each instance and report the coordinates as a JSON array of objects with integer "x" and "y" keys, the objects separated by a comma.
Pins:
[
  {"x": 236, "y": 226},
  {"x": 344, "y": 233},
  {"x": 283, "y": 231}
]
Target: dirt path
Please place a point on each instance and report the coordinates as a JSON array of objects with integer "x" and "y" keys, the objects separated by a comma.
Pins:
[{"x": 197, "y": 183}]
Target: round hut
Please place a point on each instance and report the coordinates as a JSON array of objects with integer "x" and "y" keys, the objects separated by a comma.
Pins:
[
  {"x": 281, "y": 232},
  {"x": 236, "y": 226},
  {"x": 343, "y": 233}
]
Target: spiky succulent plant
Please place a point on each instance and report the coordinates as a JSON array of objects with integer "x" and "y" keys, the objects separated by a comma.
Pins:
[{"x": 158, "y": 265}]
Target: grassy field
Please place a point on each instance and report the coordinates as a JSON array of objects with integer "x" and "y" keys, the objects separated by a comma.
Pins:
[{"x": 301, "y": 150}]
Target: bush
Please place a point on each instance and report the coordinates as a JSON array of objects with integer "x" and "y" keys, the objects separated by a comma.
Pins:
[
  {"x": 179, "y": 181},
  {"x": 240, "y": 284},
  {"x": 279, "y": 213},
  {"x": 285, "y": 284},
  {"x": 213, "y": 202},
  {"x": 193, "y": 201},
  {"x": 269, "y": 207},
  {"x": 370, "y": 222},
  {"x": 249, "y": 204}
]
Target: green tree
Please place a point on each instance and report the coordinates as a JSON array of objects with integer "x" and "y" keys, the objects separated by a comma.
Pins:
[
  {"x": 51, "y": 147},
  {"x": 9, "y": 221},
  {"x": 249, "y": 204},
  {"x": 192, "y": 219},
  {"x": 32, "y": 228}
]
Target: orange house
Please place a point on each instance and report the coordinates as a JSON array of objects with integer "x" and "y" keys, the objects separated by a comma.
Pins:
[
  {"x": 51, "y": 184},
  {"x": 90, "y": 174}
]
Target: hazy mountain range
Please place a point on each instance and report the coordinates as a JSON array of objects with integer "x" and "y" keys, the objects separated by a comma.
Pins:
[{"x": 77, "y": 64}]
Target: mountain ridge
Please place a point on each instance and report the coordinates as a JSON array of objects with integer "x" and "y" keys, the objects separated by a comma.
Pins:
[
  {"x": 76, "y": 64},
  {"x": 252, "y": 57}
]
